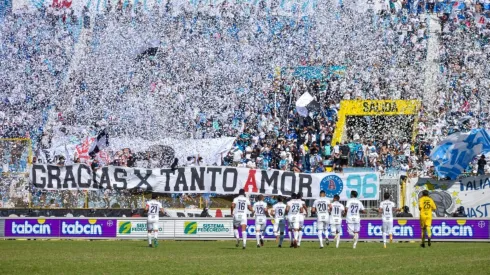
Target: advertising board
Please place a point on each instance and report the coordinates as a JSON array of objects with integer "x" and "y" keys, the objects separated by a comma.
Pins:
[
  {"x": 447, "y": 229},
  {"x": 60, "y": 228}
]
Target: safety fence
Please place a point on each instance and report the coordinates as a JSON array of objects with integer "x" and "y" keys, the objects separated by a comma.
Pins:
[{"x": 221, "y": 229}]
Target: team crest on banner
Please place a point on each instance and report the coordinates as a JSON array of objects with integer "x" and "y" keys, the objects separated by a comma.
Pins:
[{"x": 332, "y": 185}]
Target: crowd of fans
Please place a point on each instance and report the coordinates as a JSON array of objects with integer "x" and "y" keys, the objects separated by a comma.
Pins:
[{"x": 156, "y": 72}]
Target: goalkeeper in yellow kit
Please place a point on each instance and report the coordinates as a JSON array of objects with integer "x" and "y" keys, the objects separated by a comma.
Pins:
[{"x": 426, "y": 206}]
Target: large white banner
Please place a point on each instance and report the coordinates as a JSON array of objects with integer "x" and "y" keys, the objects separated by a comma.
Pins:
[
  {"x": 219, "y": 180},
  {"x": 472, "y": 193},
  {"x": 210, "y": 150}
]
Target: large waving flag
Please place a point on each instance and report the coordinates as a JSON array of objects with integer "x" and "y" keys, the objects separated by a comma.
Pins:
[
  {"x": 453, "y": 155},
  {"x": 101, "y": 142},
  {"x": 307, "y": 103}
]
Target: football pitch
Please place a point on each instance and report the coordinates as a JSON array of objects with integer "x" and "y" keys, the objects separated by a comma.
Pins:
[{"x": 222, "y": 257}]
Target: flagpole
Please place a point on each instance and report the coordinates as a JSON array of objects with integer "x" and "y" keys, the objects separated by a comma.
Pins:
[
  {"x": 275, "y": 103},
  {"x": 290, "y": 98}
]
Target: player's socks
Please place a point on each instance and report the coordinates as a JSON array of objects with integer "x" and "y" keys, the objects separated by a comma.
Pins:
[
  {"x": 155, "y": 240},
  {"x": 356, "y": 237},
  {"x": 281, "y": 239},
  {"x": 244, "y": 237},
  {"x": 257, "y": 236},
  {"x": 320, "y": 237},
  {"x": 429, "y": 232},
  {"x": 290, "y": 236},
  {"x": 300, "y": 237},
  {"x": 237, "y": 236},
  {"x": 149, "y": 238},
  {"x": 391, "y": 238},
  {"x": 384, "y": 239},
  {"x": 337, "y": 237}
]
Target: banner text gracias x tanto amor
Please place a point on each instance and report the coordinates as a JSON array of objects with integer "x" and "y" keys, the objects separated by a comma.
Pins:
[{"x": 219, "y": 180}]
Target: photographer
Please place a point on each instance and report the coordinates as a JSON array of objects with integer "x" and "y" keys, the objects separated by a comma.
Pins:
[{"x": 205, "y": 213}]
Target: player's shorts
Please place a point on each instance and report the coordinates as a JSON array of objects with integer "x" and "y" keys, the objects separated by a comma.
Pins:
[
  {"x": 239, "y": 220},
  {"x": 425, "y": 222},
  {"x": 353, "y": 227},
  {"x": 294, "y": 222},
  {"x": 260, "y": 224},
  {"x": 322, "y": 225},
  {"x": 152, "y": 225},
  {"x": 335, "y": 228},
  {"x": 279, "y": 225},
  {"x": 387, "y": 227}
]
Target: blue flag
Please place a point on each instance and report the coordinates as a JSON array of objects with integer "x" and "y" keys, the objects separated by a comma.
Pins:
[{"x": 453, "y": 155}]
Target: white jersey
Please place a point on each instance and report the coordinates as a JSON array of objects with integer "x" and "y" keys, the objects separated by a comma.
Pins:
[
  {"x": 303, "y": 204},
  {"x": 321, "y": 206},
  {"x": 241, "y": 206},
  {"x": 153, "y": 209},
  {"x": 260, "y": 208},
  {"x": 294, "y": 207},
  {"x": 336, "y": 213},
  {"x": 354, "y": 207},
  {"x": 279, "y": 210},
  {"x": 387, "y": 207}
]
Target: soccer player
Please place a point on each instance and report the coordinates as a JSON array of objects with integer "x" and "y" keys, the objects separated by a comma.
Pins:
[
  {"x": 153, "y": 208},
  {"x": 293, "y": 210},
  {"x": 290, "y": 226},
  {"x": 353, "y": 208},
  {"x": 278, "y": 211},
  {"x": 260, "y": 212},
  {"x": 426, "y": 206},
  {"x": 321, "y": 207},
  {"x": 239, "y": 209},
  {"x": 336, "y": 212},
  {"x": 387, "y": 208},
  {"x": 302, "y": 216}
]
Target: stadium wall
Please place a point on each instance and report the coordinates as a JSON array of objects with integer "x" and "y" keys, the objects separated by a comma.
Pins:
[{"x": 222, "y": 229}]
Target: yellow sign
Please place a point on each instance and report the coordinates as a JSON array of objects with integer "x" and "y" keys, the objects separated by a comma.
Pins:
[{"x": 373, "y": 108}]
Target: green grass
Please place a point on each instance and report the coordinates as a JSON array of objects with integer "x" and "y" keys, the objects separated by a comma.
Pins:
[{"x": 199, "y": 257}]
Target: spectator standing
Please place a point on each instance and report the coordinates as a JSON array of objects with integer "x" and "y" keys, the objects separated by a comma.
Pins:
[
  {"x": 336, "y": 156},
  {"x": 344, "y": 155},
  {"x": 481, "y": 165},
  {"x": 237, "y": 156},
  {"x": 406, "y": 149}
]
